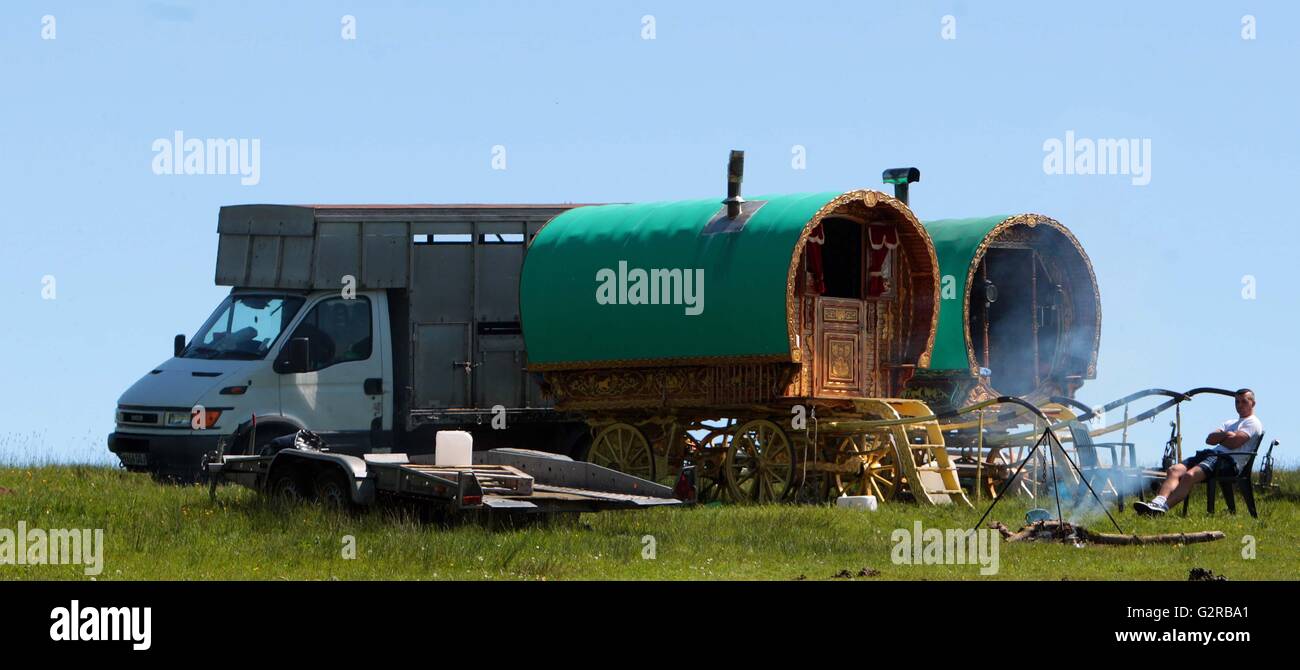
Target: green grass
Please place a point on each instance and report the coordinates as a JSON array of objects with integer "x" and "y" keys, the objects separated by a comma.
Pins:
[{"x": 154, "y": 531}]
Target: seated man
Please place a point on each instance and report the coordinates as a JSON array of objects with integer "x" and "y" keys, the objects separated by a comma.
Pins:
[{"x": 1237, "y": 435}]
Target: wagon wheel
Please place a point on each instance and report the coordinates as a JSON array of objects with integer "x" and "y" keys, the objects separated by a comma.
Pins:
[
  {"x": 709, "y": 456},
  {"x": 622, "y": 447},
  {"x": 812, "y": 485},
  {"x": 1008, "y": 459},
  {"x": 670, "y": 445},
  {"x": 760, "y": 463},
  {"x": 877, "y": 473}
]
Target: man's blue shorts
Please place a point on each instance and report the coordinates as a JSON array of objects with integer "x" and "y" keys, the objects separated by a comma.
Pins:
[{"x": 1216, "y": 463}]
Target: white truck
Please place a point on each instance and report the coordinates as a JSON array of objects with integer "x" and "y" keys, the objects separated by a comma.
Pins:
[{"x": 373, "y": 326}]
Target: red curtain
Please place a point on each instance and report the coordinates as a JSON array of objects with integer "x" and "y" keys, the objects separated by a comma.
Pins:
[
  {"x": 813, "y": 259},
  {"x": 882, "y": 241}
]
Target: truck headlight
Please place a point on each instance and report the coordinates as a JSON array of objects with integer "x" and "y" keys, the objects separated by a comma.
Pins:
[{"x": 192, "y": 419}]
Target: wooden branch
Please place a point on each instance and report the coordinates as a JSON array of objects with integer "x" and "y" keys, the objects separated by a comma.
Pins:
[{"x": 1167, "y": 538}]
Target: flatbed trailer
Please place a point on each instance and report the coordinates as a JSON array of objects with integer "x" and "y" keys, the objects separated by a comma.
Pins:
[{"x": 510, "y": 480}]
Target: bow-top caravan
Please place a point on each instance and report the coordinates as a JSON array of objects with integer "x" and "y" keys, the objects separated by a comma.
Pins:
[
  {"x": 721, "y": 334},
  {"x": 1020, "y": 316}
]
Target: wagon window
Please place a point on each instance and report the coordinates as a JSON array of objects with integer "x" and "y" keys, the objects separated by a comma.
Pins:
[{"x": 842, "y": 259}]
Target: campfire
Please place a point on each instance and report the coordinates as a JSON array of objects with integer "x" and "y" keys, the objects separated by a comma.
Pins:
[{"x": 1062, "y": 531}]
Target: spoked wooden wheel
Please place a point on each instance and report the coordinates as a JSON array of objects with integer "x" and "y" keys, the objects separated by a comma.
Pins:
[
  {"x": 760, "y": 463},
  {"x": 872, "y": 456},
  {"x": 622, "y": 447},
  {"x": 709, "y": 457}
]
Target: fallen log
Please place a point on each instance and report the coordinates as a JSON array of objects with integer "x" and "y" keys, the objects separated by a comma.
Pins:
[{"x": 1166, "y": 538}]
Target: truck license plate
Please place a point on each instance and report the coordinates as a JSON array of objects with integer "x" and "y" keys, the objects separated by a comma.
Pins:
[{"x": 134, "y": 458}]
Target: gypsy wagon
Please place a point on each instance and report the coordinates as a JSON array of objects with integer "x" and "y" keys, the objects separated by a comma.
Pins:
[
  {"x": 721, "y": 335},
  {"x": 1020, "y": 315}
]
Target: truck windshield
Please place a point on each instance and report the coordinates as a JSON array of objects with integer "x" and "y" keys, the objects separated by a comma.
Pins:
[{"x": 243, "y": 327}]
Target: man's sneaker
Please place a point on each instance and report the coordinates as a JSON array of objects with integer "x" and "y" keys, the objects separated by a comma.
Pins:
[{"x": 1149, "y": 508}]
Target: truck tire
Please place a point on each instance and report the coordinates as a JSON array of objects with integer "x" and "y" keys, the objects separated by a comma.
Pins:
[{"x": 333, "y": 490}]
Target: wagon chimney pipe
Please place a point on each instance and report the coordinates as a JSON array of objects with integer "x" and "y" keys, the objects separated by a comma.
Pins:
[
  {"x": 735, "y": 174},
  {"x": 900, "y": 178}
]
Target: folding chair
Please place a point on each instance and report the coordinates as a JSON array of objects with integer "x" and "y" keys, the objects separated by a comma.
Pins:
[{"x": 1093, "y": 469}]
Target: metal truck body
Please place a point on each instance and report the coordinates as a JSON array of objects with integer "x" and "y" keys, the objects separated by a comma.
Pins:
[{"x": 411, "y": 321}]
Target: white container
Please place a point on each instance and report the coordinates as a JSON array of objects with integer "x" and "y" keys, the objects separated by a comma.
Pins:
[
  {"x": 857, "y": 502},
  {"x": 452, "y": 448}
]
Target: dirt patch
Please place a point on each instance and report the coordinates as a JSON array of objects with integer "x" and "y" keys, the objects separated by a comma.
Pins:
[
  {"x": 1204, "y": 575},
  {"x": 4, "y": 491},
  {"x": 864, "y": 572}
]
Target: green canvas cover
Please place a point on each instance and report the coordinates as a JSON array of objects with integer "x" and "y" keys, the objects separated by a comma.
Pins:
[
  {"x": 745, "y": 274},
  {"x": 955, "y": 243}
]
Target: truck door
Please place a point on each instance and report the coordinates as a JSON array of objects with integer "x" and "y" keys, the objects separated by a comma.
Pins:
[
  {"x": 443, "y": 366},
  {"x": 338, "y": 396},
  {"x": 499, "y": 342}
]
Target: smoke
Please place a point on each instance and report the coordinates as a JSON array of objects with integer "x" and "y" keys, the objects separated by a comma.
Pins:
[
  {"x": 1039, "y": 311},
  {"x": 1084, "y": 507}
]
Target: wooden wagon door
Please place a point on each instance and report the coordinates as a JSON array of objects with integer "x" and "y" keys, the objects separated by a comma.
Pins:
[{"x": 846, "y": 364}]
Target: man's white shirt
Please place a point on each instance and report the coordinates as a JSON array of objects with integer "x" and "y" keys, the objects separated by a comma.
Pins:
[{"x": 1251, "y": 426}]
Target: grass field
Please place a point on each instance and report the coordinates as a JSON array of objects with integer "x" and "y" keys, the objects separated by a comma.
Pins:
[{"x": 154, "y": 531}]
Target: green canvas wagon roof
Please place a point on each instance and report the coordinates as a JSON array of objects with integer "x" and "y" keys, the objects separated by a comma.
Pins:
[
  {"x": 960, "y": 245},
  {"x": 747, "y": 307}
]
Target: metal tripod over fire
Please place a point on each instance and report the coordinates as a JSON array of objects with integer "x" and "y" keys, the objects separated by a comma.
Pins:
[{"x": 1054, "y": 448}]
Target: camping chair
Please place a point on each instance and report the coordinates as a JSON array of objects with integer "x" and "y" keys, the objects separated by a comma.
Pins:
[
  {"x": 1092, "y": 468},
  {"x": 1241, "y": 480}
]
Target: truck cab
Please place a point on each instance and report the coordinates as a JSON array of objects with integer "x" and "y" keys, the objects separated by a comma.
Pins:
[
  {"x": 236, "y": 381},
  {"x": 374, "y": 326}
]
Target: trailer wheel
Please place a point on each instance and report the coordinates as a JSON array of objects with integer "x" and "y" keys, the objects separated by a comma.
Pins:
[
  {"x": 288, "y": 486},
  {"x": 332, "y": 489}
]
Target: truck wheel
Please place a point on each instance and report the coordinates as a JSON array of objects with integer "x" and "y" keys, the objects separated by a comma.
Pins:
[
  {"x": 288, "y": 487},
  {"x": 333, "y": 490}
]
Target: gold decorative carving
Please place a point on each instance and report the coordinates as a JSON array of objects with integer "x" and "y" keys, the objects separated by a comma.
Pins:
[
  {"x": 841, "y": 359},
  {"x": 840, "y": 314},
  {"x": 682, "y": 386}
]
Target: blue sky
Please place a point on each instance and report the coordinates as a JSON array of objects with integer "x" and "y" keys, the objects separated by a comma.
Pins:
[{"x": 589, "y": 111}]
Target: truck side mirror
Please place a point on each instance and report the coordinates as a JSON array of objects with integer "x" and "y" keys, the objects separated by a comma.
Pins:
[
  {"x": 178, "y": 346},
  {"x": 299, "y": 354}
]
